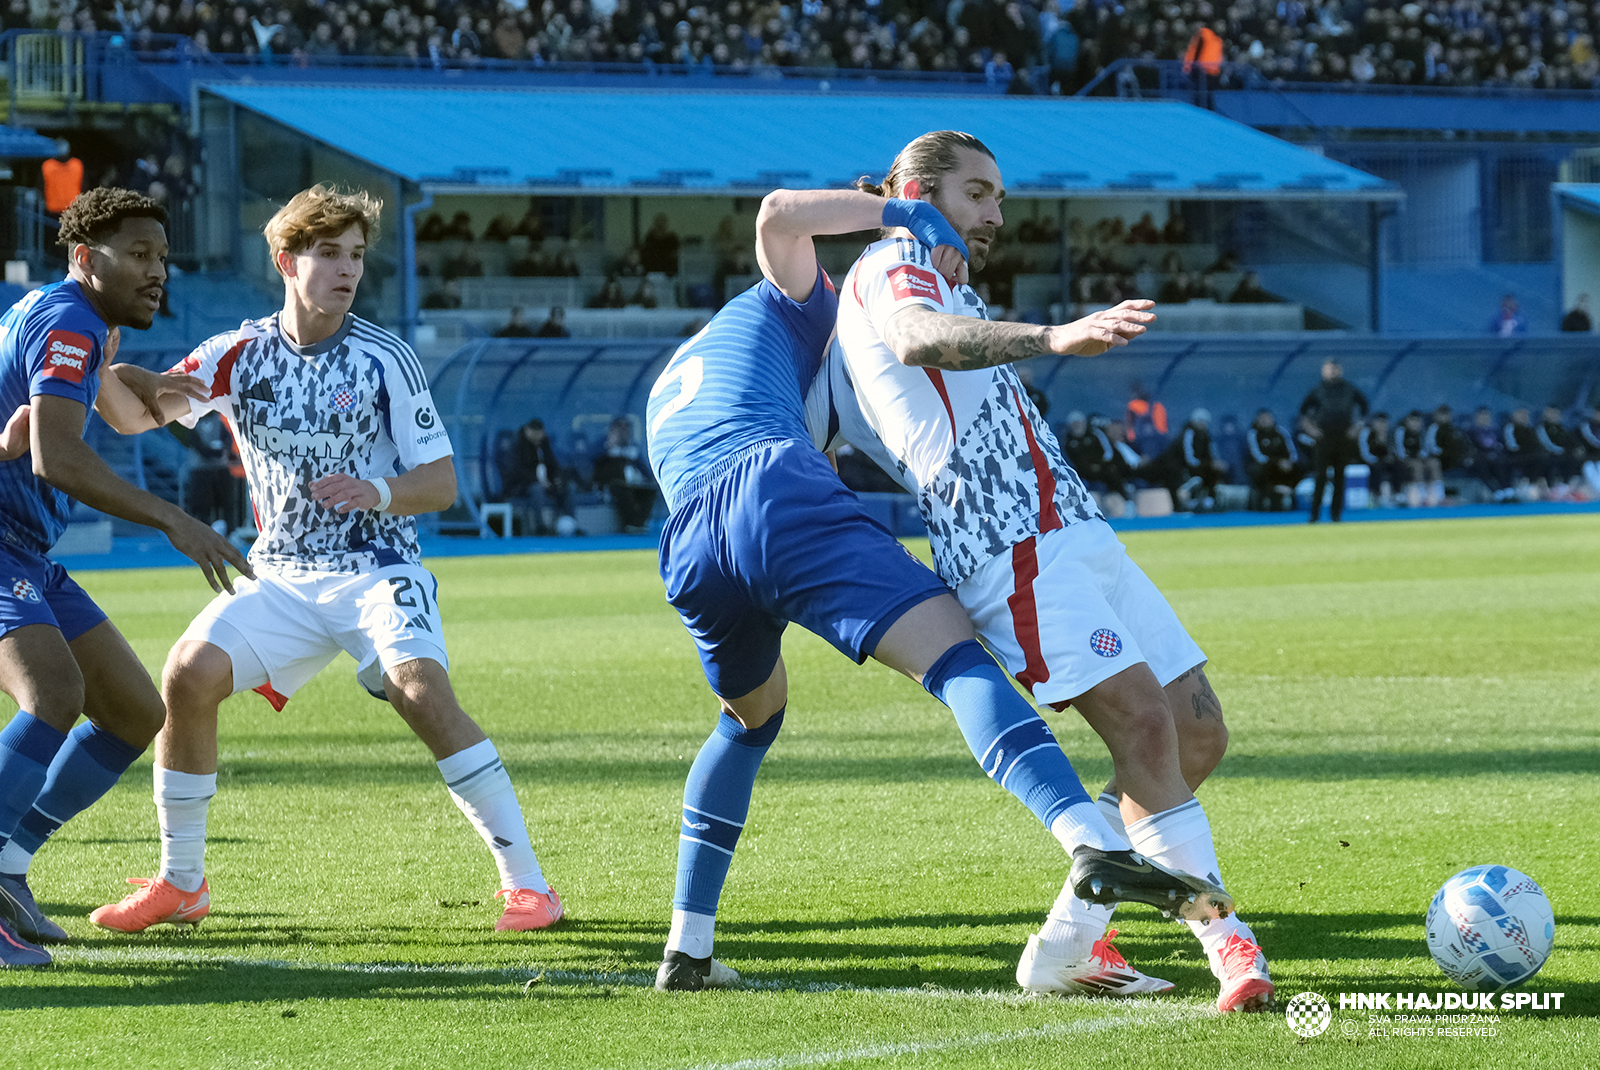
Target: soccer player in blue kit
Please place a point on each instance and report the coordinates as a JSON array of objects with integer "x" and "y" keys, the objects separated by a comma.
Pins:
[
  {"x": 762, "y": 532},
  {"x": 59, "y": 656}
]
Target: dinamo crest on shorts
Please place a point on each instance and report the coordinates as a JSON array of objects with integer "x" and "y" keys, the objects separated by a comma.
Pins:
[
  {"x": 1106, "y": 643},
  {"x": 24, "y": 591}
]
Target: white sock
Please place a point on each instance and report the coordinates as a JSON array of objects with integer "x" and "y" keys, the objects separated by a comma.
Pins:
[
  {"x": 1110, "y": 808},
  {"x": 14, "y": 860},
  {"x": 182, "y": 800},
  {"x": 482, "y": 789},
  {"x": 693, "y": 934},
  {"x": 1073, "y": 926},
  {"x": 1081, "y": 823},
  {"x": 1180, "y": 838}
]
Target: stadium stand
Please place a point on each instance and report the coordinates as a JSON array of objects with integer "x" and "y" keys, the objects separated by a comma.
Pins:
[{"x": 1021, "y": 45}]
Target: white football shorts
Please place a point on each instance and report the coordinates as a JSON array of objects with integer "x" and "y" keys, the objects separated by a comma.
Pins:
[
  {"x": 1068, "y": 609},
  {"x": 283, "y": 628}
]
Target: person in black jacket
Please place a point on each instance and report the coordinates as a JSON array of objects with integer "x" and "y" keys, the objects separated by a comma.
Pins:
[
  {"x": 532, "y": 477},
  {"x": 1335, "y": 407},
  {"x": 1372, "y": 445},
  {"x": 1418, "y": 461},
  {"x": 1189, "y": 467},
  {"x": 1488, "y": 455},
  {"x": 1272, "y": 462},
  {"x": 1560, "y": 444},
  {"x": 1526, "y": 460}
]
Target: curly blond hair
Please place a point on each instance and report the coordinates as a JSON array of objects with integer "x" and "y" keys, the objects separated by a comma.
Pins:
[{"x": 322, "y": 211}]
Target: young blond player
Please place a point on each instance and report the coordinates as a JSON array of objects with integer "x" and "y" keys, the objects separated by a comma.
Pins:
[{"x": 342, "y": 448}]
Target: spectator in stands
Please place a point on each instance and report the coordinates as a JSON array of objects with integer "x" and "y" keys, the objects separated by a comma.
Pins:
[
  {"x": 556, "y": 325},
  {"x": 1577, "y": 318},
  {"x": 563, "y": 265},
  {"x": 1334, "y": 409},
  {"x": 1419, "y": 465},
  {"x": 534, "y": 479},
  {"x": 610, "y": 295},
  {"x": 644, "y": 295},
  {"x": 1272, "y": 463},
  {"x": 1176, "y": 290},
  {"x": 1249, "y": 292},
  {"x": 531, "y": 226},
  {"x": 500, "y": 228},
  {"x": 463, "y": 264},
  {"x": 1146, "y": 422},
  {"x": 1488, "y": 455},
  {"x": 622, "y": 471},
  {"x": 1560, "y": 445},
  {"x": 659, "y": 247},
  {"x": 432, "y": 228},
  {"x": 1228, "y": 444},
  {"x": 1176, "y": 231},
  {"x": 1509, "y": 321},
  {"x": 63, "y": 180},
  {"x": 1589, "y": 432},
  {"x": 1377, "y": 453},
  {"x": 1188, "y": 467},
  {"x": 459, "y": 228},
  {"x": 1449, "y": 444},
  {"x": 530, "y": 264},
  {"x": 517, "y": 326},
  {"x": 1035, "y": 395},
  {"x": 446, "y": 297},
  {"x": 1145, "y": 231},
  {"x": 631, "y": 266},
  {"x": 1526, "y": 461},
  {"x": 1088, "y": 451}
]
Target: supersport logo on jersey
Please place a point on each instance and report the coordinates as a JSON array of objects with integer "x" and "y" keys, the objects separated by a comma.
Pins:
[
  {"x": 907, "y": 281},
  {"x": 66, "y": 355}
]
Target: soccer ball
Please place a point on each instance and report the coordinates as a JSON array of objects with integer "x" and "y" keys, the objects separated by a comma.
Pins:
[{"x": 1490, "y": 927}]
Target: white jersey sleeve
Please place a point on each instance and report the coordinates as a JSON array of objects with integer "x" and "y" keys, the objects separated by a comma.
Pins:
[
  {"x": 414, "y": 424},
  {"x": 985, "y": 467},
  {"x": 213, "y": 362}
]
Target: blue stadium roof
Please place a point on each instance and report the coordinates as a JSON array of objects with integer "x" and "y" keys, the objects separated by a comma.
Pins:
[
  {"x": 21, "y": 143},
  {"x": 717, "y": 142},
  {"x": 1584, "y": 196}
]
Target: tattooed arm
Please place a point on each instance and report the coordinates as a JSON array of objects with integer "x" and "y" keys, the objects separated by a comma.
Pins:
[{"x": 923, "y": 337}]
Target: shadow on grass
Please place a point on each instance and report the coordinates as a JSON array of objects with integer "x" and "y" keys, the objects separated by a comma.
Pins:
[
  {"x": 258, "y": 961},
  {"x": 1343, "y": 765}
]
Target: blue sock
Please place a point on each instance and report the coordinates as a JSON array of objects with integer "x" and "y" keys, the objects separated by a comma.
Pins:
[
  {"x": 84, "y": 769},
  {"x": 1007, "y": 736},
  {"x": 716, "y": 801},
  {"x": 27, "y": 746}
]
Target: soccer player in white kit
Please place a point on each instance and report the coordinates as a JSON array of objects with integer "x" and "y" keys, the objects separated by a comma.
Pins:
[
  {"x": 343, "y": 447},
  {"x": 1019, "y": 539}
]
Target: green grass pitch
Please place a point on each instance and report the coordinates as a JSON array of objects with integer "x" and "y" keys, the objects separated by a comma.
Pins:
[{"x": 1405, "y": 700}]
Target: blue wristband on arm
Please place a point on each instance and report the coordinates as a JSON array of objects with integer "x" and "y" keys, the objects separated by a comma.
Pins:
[{"x": 924, "y": 222}]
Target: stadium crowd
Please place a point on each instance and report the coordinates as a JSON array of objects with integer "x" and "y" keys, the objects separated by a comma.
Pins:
[
  {"x": 1028, "y": 45},
  {"x": 1418, "y": 460}
]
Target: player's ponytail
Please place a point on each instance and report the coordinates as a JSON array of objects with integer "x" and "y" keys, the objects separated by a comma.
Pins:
[{"x": 866, "y": 185}]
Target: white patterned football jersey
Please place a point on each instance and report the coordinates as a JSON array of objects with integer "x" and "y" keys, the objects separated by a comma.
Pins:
[
  {"x": 985, "y": 467},
  {"x": 356, "y": 403}
]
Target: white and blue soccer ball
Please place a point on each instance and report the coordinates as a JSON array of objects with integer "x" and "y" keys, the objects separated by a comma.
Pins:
[{"x": 1490, "y": 927}]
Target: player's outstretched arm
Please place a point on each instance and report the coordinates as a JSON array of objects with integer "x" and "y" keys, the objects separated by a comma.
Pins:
[
  {"x": 134, "y": 399},
  {"x": 14, "y": 439},
  {"x": 427, "y": 488},
  {"x": 923, "y": 337},
  {"x": 789, "y": 219},
  {"x": 64, "y": 460}
]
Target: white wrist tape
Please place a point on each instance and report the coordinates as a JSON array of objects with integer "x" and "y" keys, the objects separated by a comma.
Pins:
[{"x": 385, "y": 494}]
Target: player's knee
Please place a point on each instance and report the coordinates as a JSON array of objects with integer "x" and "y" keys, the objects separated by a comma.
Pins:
[
  {"x": 57, "y": 702},
  {"x": 196, "y": 676}
]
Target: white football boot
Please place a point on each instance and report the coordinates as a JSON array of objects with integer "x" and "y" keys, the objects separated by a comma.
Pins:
[{"x": 1104, "y": 973}]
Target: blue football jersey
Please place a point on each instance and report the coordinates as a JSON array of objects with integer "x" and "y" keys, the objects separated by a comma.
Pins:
[
  {"x": 740, "y": 381},
  {"x": 51, "y": 342}
]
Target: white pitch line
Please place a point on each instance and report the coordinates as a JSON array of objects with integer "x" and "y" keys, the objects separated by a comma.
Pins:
[
  {"x": 979, "y": 1040},
  {"x": 519, "y": 974}
]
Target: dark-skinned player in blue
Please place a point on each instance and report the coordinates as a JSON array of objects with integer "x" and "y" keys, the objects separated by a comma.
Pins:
[{"x": 762, "y": 532}]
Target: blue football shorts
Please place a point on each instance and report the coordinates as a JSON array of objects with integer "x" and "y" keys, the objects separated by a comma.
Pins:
[
  {"x": 775, "y": 537},
  {"x": 36, "y": 590}
]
